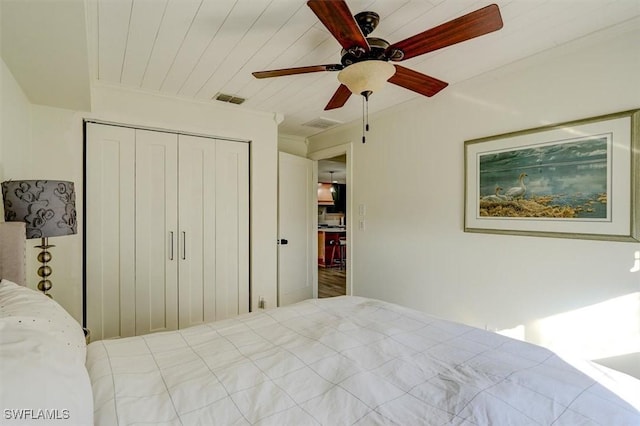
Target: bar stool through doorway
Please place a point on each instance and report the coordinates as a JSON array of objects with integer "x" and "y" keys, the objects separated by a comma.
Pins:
[
  {"x": 336, "y": 249},
  {"x": 343, "y": 252}
]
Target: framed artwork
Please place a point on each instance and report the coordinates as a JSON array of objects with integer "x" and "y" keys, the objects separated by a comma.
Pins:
[{"x": 579, "y": 179}]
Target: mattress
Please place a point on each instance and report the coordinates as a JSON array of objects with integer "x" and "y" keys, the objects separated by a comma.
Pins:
[{"x": 347, "y": 361}]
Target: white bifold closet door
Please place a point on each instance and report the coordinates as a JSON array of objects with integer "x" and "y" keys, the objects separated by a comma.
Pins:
[
  {"x": 167, "y": 230},
  {"x": 156, "y": 219},
  {"x": 110, "y": 238},
  {"x": 213, "y": 234}
]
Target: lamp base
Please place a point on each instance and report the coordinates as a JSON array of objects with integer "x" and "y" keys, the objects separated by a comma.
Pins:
[{"x": 45, "y": 270}]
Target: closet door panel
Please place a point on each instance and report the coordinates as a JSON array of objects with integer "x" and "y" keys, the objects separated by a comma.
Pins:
[
  {"x": 197, "y": 217},
  {"x": 156, "y": 231},
  {"x": 110, "y": 231},
  {"x": 232, "y": 229}
]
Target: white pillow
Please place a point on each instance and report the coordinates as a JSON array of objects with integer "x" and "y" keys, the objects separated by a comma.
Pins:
[
  {"x": 28, "y": 309},
  {"x": 42, "y": 374},
  {"x": 38, "y": 383}
]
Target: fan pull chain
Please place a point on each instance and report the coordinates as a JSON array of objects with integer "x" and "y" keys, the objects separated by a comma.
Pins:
[
  {"x": 364, "y": 139},
  {"x": 367, "y": 104},
  {"x": 365, "y": 114}
]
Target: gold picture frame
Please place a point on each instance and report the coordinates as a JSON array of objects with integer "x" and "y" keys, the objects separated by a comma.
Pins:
[{"x": 578, "y": 179}]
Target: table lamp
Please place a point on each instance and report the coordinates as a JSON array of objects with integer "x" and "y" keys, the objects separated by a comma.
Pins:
[{"x": 48, "y": 208}]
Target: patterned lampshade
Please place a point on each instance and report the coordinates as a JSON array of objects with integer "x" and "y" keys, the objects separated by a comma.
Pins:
[{"x": 47, "y": 206}]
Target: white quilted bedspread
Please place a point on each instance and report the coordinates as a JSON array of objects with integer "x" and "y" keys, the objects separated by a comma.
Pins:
[{"x": 347, "y": 361}]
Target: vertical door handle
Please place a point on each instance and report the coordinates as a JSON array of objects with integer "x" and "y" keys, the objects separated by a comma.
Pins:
[
  {"x": 184, "y": 245},
  {"x": 170, "y": 245}
]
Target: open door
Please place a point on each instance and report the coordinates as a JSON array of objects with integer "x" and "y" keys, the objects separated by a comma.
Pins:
[{"x": 297, "y": 246}]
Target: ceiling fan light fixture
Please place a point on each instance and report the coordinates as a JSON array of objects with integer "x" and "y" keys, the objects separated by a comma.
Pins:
[{"x": 366, "y": 76}]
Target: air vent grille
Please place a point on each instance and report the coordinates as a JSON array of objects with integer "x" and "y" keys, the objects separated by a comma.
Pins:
[
  {"x": 223, "y": 97},
  {"x": 322, "y": 123}
]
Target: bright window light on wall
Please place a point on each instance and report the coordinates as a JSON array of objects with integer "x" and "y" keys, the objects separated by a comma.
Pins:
[{"x": 603, "y": 330}]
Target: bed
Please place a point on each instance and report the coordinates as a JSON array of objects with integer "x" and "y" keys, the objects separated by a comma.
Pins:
[
  {"x": 43, "y": 378},
  {"x": 340, "y": 361}
]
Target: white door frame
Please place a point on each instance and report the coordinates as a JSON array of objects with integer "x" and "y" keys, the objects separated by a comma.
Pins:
[{"x": 325, "y": 154}]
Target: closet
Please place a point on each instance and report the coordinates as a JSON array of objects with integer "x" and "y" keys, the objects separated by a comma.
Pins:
[{"x": 167, "y": 230}]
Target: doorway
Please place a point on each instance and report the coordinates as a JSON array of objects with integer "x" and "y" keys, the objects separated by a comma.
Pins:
[
  {"x": 335, "y": 253},
  {"x": 332, "y": 226}
]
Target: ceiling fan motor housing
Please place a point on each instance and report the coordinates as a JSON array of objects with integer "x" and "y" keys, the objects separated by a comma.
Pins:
[{"x": 377, "y": 51}]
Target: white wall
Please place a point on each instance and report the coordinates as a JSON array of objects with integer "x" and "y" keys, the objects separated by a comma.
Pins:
[
  {"x": 57, "y": 154},
  {"x": 45, "y": 46},
  {"x": 57, "y": 142},
  {"x": 409, "y": 175},
  {"x": 295, "y": 145},
  {"x": 15, "y": 127},
  {"x": 15, "y": 139}
]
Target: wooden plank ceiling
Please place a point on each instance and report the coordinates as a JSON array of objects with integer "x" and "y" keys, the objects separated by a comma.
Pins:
[{"x": 197, "y": 48}]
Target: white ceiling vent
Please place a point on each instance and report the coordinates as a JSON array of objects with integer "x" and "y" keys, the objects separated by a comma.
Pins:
[
  {"x": 322, "y": 123},
  {"x": 223, "y": 97}
]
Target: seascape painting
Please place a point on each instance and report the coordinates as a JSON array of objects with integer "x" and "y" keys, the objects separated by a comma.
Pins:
[
  {"x": 578, "y": 179},
  {"x": 566, "y": 180}
]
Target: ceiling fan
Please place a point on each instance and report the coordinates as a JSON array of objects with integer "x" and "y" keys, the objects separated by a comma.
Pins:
[{"x": 365, "y": 65}]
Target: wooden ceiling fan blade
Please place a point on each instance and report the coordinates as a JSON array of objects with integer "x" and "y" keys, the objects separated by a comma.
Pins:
[
  {"x": 471, "y": 25},
  {"x": 339, "y": 98},
  {"x": 336, "y": 16},
  {"x": 297, "y": 70},
  {"x": 418, "y": 82}
]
